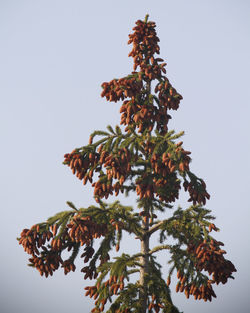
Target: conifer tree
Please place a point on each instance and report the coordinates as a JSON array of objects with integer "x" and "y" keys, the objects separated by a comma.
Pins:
[{"x": 144, "y": 157}]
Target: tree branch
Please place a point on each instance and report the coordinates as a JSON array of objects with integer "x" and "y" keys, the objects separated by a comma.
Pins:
[
  {"x": 155, "y": 228},
  {"x": 162, "y": 247}
]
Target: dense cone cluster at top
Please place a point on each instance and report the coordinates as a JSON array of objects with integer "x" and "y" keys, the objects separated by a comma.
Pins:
[
  {"x": 140, "y": 111},
  {"x": 145, "y": 43},
  {"x": 119, "y": 89}
]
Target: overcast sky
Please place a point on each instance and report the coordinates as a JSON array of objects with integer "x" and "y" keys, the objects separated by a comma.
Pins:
[{"x": 54, "y": 55}]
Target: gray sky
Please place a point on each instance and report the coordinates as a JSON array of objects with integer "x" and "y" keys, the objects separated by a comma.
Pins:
[{"x": 54, "y": 55}]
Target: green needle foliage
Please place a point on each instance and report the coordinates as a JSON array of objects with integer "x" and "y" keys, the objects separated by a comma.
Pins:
[{"x": 146, "y": 158}]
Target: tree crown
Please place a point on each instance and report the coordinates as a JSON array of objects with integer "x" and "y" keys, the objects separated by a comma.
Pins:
[{"x": 148, "y": 159}]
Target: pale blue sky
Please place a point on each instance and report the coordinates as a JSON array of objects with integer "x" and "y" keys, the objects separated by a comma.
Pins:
[{"x": 54, "y": 55}]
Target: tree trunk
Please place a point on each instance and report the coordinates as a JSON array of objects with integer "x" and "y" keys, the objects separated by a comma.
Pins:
[
  {"x": 144, "y": 270},
  {"x": 144, "y": 241}
]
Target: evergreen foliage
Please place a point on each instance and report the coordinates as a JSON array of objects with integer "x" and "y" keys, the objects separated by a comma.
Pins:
[{"x": 148, "y": 159}]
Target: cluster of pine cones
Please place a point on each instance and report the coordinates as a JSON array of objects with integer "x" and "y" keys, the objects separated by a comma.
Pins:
[
  {"x": 140, "y": 111},
  {"x": 207, "y": 256},
  {"x": 112, "y": 286},
  {"x": 46, "y": 247},
  {"x": 161, "y": 182},
  {"x": 210, "y": 258}
]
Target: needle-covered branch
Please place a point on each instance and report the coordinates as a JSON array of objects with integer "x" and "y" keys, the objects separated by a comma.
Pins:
[
  {"x": 196, "y": 252},
  {"x": 160, "y": 248},
  {"x": 69, "y": 230}
]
